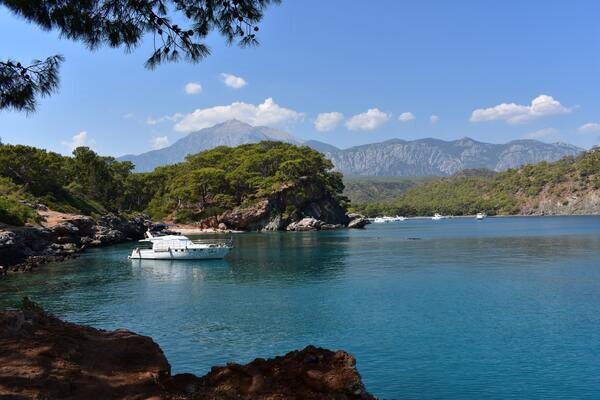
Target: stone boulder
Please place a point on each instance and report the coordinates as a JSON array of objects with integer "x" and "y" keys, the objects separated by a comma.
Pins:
[
  {"x": 305, "y": 224},
  {"x": 358, "y": 223}
]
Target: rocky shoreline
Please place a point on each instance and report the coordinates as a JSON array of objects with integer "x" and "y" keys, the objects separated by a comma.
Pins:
[
  {"x": 302, "y": 206},
  {"x": 23, "y": 248},
  {"x": 42, "y": 357}
]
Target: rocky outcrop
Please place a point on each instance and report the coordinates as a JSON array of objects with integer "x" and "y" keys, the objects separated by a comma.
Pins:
[
  {"x": 42, "y": 357},
  {"x": 358, "y": 223},
  {"x": 312, "y": 373},
  {"x": 23, "y": 248},
  {"x": 305, "y": 224},
  {"x": 569, "y": 202},
  {"x": 301, "y": 206}
]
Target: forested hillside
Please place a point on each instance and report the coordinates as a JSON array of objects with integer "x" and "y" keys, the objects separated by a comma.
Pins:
[
  {"x": 209, "y": 183},
  {"x": 377, "y": 189},
  {"x": 205, "y": 184},
  {"x": 568, "y": 186},
  {"x": 85, "y": 183}
]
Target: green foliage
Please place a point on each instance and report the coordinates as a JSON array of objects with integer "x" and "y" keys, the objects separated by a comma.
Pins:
[
  {"x": 206, "y": 184},
  {"x": 14, "y": 213},
  {"x": 21, "y": 85},
  {"x": 125, "y": 23},
  {"x": 502, "y": 193},
  {"x": 85, "y": 183},
  {"x": 379, "y": 189},
  {"x": 210, "y": 182}
]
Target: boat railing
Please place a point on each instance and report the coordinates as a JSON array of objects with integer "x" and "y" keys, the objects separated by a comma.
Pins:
[{"x": 220, "y": 242}]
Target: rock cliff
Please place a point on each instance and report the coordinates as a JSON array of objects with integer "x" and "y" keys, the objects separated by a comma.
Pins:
[
  {"x": 42, "y": 357},
  {"x": 302, "y": 206}
]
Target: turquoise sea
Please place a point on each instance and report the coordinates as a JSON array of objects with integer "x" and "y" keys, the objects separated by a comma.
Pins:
[{"x": 505, "y": 308}]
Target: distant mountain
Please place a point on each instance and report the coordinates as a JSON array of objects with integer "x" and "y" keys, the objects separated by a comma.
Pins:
[
  {"x": 396, "y": 157},
  {"x": 230, "y": 133},
  {"x": 434, "y": 157}
]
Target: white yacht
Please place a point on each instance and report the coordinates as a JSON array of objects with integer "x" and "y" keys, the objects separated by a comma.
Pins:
[
  {"x": 177, "y": 247},
  {"x": 480, "y": 216},
  {"x": 437, "y": 217},
  {"x": 387, "y": 220}
]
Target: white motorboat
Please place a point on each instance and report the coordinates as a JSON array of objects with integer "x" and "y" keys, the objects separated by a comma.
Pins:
[
  {"x": 480, "y": 216},
  {"x": 387, "y": 220},
  {"x": 437, "y": 217},
  {"x": 178, "y": 247}
]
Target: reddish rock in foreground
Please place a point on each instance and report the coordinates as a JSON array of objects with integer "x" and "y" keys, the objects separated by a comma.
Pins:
[{"x": 42, "y": 357}]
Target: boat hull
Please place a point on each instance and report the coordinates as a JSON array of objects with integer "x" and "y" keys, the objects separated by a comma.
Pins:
[{"x": 215, "y": 253}]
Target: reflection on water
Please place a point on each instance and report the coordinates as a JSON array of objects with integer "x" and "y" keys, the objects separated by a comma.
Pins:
[{"x": 504, "y": 308}]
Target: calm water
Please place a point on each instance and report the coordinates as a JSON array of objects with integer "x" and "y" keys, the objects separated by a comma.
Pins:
[{"x": 506, "y": 308}]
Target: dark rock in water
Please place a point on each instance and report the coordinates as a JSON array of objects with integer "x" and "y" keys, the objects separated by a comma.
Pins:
[
  {"x": 113, "y": 229},
  {"x": 42, "y": 357}
]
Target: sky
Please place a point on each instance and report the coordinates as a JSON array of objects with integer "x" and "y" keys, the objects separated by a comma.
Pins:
[{"x": 344, "y": 72}]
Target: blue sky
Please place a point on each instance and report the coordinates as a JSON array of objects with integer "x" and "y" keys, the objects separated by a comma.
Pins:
[{"x": 460, "y": 68}]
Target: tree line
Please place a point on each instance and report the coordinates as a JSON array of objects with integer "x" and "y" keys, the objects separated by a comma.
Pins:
[
  {"x": 203, "y": 185},
  {"x": 495, "y": 194}
]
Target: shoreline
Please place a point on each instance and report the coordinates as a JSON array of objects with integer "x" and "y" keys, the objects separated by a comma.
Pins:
[
  {"x": 503, "y": 216},
  {"x": 24, "y": 248}
]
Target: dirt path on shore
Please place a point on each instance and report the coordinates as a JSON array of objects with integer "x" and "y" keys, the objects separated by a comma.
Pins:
[{"x": 52, "y": 218}]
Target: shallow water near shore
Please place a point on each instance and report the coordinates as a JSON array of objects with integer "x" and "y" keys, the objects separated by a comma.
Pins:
[{"x": 505, "y": 308}]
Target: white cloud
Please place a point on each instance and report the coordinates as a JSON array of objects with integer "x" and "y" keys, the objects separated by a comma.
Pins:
[
  {"x": 173, "y": 118},
  {"x": 233, "y": 81},
  {"x": 193, "y": 88},
  {"x": 590, "y": 127},
  {"x": 128, "y": 115},
  {"x": 268, "y": 113},
  {"x": 512, "y": 113},
  {"x": 548, "y": 134},
  {"x": 159, "y": 142},
  {"x": 434, "y": 119},
  {"x": 328, "y": 121},
  {"x": 367, "y": 121},
  {"x": 406, "y": 116},
  {"x": 80, "y": 139}
]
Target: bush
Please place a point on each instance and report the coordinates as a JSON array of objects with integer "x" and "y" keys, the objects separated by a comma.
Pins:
[{"x": 14, "y": 213}]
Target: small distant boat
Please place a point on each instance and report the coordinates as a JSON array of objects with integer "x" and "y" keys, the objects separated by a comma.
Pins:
[
  {"x": 179, "y": 247},
  {"x": 437, "y": 217},
  {"x": 387, "y": 220},
  {"x": 480, "y": 216}
]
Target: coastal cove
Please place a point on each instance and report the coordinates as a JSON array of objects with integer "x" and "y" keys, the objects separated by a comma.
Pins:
[{"x": 501, "y": 308}]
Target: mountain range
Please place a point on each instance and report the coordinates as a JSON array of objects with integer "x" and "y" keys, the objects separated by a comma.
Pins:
[
  {"x": 230, "y": 133},
  {"x": 396, "y": 157}
]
